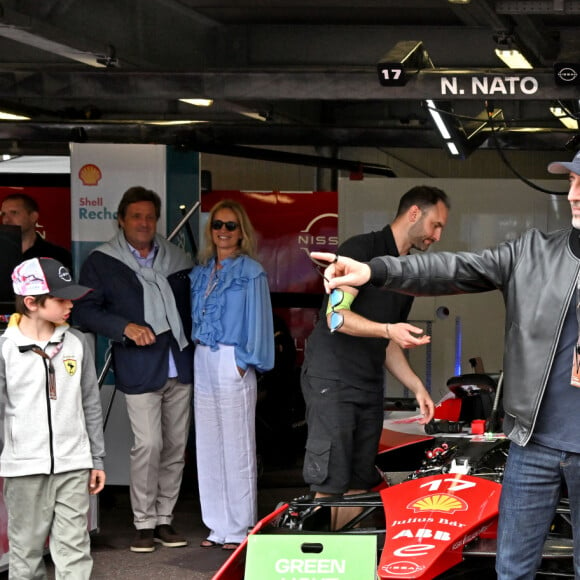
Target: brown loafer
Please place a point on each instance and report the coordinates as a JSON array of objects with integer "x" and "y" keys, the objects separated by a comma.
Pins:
[
  {"x": 143, "y": 541},
  {"x": 168, "y": 537}
]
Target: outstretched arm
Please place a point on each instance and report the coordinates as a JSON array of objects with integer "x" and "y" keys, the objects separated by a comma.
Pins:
[{"x": 342, "y": 271}]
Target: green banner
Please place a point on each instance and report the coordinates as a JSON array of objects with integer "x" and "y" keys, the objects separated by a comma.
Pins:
[{"x": 311, "y": 557}]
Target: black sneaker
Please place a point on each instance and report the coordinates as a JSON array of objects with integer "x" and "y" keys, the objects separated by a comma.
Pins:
[
  {"x": 168, "y": 537},
  {"x": 143, "y": 541}
]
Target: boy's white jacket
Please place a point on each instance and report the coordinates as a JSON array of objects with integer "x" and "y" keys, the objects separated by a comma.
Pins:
[{"x": 41, "y": 435}]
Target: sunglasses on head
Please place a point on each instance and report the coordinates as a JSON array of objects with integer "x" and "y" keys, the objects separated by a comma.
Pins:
[
  {"x": 219, "y": 224},
  {"x": 336, "y": 317}
]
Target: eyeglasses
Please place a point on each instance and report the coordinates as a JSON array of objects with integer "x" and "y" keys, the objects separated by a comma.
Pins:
[
  {"x": 230, "y": 226},
  {"x": 336, "y": 318}
]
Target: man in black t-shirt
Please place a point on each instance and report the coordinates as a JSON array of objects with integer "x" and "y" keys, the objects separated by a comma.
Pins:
[
  {"x": 343, "y": 373},
  {"x": 19, "y": 209}
]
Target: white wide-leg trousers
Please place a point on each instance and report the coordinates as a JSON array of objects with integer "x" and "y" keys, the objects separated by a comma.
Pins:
[{"x": 225, "y": 409}]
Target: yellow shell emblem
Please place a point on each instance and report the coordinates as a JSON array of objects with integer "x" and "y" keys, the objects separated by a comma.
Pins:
[
  {"x": 440, "y": 502},
  {"x": 90, "y": 174}
]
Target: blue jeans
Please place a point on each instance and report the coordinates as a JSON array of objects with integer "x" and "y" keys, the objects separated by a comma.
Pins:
[{"x": 532, "y": 483}]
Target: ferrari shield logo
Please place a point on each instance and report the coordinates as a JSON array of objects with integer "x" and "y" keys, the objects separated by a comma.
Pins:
[{"x": 70, "y": 364}]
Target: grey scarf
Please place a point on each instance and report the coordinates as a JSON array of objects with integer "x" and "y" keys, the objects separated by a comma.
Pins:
[{"x": 160, "y": 308}]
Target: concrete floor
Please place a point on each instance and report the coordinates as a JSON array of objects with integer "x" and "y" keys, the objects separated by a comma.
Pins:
[{"x": 110, "y": 546}]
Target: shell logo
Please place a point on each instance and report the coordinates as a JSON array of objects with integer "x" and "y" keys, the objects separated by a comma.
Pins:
[
  {"x": 440, "y": 502},
  {"x": 90, "y": 174}
]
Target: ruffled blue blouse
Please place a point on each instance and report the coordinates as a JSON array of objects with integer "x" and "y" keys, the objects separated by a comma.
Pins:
[{"x": 233, "y": 307}]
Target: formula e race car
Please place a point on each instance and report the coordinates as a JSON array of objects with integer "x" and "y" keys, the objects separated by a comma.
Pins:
[{"x": 434, "y": 513}]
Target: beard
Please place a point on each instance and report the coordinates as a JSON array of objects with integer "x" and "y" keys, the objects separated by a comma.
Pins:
[
  {"x": 576, "y": 222},
  {"x": 420, "y": 246},
  {"x": 419, "y": 241}
]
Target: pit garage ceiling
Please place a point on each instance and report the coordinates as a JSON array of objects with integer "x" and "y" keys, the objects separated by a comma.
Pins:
[{"x": 280, "y": 72}]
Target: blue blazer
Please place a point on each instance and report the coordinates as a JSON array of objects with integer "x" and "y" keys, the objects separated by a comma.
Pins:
[{"x": 116, "y": 300}]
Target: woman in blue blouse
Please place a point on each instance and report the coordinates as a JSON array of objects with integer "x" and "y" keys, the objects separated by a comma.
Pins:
[{"x": 233, "y": 329}]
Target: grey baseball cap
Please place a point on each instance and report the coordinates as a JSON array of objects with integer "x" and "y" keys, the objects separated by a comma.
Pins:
[{"x": 566, "y": 166}]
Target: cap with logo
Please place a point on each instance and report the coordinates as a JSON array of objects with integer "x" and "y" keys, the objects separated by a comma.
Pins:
[
  {"x": 566, "y": 166},
  {"x": 46, "y": 276}
]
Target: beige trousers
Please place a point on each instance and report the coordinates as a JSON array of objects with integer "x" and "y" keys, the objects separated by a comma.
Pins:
[
  {"x": 43, "y": 505},
  {"x": 160, "y": 424}
]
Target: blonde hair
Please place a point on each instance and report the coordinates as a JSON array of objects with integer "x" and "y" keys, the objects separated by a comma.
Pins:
[{"x": 247, "y": 244}]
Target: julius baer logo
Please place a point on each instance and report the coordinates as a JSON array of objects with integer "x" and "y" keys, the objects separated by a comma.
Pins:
[{"x": 93, "y": 207}]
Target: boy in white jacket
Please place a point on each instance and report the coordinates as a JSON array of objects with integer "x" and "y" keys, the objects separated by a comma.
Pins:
[{"x": 52, "y": 445}]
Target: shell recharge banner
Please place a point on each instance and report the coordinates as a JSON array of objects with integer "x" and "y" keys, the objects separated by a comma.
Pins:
[{"x": 100, "y": 174}]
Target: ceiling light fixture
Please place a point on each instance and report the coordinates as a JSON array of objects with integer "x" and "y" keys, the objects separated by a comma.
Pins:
[
  {"x": 174, "y": 122},
  {"x": 257, "y": 115},
  {"x": 513, "y": 58},
  {"x": 510, "y": 53},
  {"x": 442, "y": 127},
  {"x": 11, "y": 117},
  {"x": 461, "y": 138},
  {"x": 20, "y": 34},
  {"x": 198, "y": 102},
  {"x": 564, "y": 117}
]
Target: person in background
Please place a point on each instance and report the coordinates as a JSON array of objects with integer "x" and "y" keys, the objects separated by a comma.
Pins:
[
  {"x": 19, "y": 209},
  {"x": 343, "y": 370},
  {"x": 141, "y": 302},
  {"x": 280, "y": 403},
  {"x": 538, "y": 275},
  {"x": 233, "y": 331},
  {"x": 52, "y": 440}
]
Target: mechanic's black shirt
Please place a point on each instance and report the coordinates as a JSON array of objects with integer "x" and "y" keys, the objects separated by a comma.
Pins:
[
  {"x": 353, "y": 360},
  {"x": 43, "y": 249}
]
